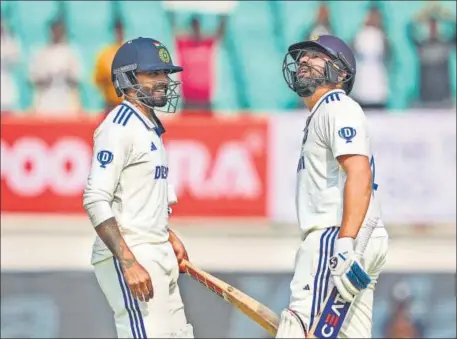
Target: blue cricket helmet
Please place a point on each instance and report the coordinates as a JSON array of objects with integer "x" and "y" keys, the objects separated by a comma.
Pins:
[
  {"x": 145, "y": 55},
  {"x": 342, "y": 61}
]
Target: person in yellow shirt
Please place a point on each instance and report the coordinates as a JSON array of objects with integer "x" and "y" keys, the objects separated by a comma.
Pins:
[{"x": 102, "y": 74}]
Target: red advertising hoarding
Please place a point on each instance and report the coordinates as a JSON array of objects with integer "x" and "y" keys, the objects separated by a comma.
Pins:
[{"x": 217, "y": 166}]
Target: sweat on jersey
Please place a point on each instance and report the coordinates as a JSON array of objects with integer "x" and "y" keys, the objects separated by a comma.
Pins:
[
  {"x": 128, "y": 179},
  {"x": 336, "y": 126}
]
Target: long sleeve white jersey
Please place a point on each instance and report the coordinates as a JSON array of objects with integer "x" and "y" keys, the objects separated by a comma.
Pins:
[
  {"x": 128, "y": 179},
  {"x": 337, "y": 126}
]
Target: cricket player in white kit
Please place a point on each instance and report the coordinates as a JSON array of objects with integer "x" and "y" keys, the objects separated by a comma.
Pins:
[
  {"x": 335, "y": 194},
  {"x": 127, "y": 197}
]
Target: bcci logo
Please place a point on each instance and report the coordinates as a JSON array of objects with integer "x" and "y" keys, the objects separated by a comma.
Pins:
[
  {"x": 315, "y": 37},
  {"x": 163, "y": 55}
]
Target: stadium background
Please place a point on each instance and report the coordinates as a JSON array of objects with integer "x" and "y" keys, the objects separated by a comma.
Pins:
[{"x": 233, "y": 148}]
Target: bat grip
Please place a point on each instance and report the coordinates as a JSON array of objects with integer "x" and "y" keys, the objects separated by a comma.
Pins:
[{"x": 366, "y": 233}]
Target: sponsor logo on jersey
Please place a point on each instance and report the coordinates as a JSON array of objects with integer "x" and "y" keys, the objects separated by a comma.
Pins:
[
  {"x": 347, "y": 133},
  {"x": 104, "y": 157},
  {"x": 161, "y": 172}
]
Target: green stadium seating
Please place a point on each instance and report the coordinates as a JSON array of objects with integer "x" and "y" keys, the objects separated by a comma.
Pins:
[
  {"x": 260, "y": 59},
  {"x": 225, "y": 93},
  {"x": 404, "y": 75},
  {"x": 146, "y": 19},
  {"x": 248, "y": 61},
  {"x": 33, "y": 30},
  {"x": 90, "y": 22},
  {"x": 90, "y": 26}
]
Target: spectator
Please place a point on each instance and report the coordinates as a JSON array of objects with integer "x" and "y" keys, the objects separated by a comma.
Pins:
[
  {"x": 400, "y": 323},
  {"x": 54, "y": 73},
  {"x": 322, "y": 23},
  {"x": 102, "y": 74},
  {"x": 372, "y": 52},
  {"x": 196, "y": 54},
  {"x": 434, "y": 52},
  {"x": 10, "y": 54}
]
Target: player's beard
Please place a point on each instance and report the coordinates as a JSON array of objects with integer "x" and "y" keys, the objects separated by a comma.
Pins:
[
  {"x": 307, "y": 84},
  {"x": 160, "y": 96},
  {"x": 155, "y": 96}
]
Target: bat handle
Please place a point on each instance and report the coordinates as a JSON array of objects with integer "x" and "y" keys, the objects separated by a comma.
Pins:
[
  {"x": 185, "y": 265},
  {"x": 362, "y": 242}
]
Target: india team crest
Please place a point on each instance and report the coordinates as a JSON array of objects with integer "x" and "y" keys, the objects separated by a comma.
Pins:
[
  {"x": 315, "y": 37},
  {"x": 163, "y": 55}
]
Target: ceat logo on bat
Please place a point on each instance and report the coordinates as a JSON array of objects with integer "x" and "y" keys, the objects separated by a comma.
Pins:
[{"x": 332, "y": 316}]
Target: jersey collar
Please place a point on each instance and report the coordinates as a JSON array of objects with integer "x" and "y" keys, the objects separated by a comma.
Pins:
[
  {"x": 158, "y": 128},
  {"x": 322, "y": 98}
]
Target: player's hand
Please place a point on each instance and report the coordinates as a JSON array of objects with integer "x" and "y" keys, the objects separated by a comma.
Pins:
[
  {"x": 180, "y": 250},
  {"x": 139, "y": 281},
  {"x": 348, "y": 274}
]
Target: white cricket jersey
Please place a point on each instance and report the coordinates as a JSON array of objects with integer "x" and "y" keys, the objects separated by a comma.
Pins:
[
  {"x": 128, "y": 179},
  {"x": 337, "y": 126}
]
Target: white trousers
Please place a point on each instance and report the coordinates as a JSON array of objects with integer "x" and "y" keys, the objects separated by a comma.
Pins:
[
  {"x": 161, "y": 317},
  {"x": 312, "y": 282}
]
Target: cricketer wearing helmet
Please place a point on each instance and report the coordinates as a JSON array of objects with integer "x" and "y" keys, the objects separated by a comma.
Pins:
[
  {"x": 135, "y": 255},
  {"x": 335, "y": 192}
]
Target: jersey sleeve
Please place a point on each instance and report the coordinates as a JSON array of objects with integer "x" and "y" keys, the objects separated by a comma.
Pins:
[
  {"x": 110, "y": 156},
  {"x": 346, "y": 131}
]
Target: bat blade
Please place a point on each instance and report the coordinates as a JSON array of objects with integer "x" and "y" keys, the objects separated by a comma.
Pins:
[
  {"x": 332, "y": 317},
  {"x": 256, "y": 311},
  {"x": 335, "y": 308}
]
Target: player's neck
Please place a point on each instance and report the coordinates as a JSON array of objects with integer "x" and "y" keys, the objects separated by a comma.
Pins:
[
  {"x": 311, "y": 101},
  {"x": 143, "y": 110}
]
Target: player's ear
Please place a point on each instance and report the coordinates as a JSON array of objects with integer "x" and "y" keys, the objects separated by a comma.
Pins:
[
  {"x": 341, "y": 79},
  {"x": 129, "y": 92}
]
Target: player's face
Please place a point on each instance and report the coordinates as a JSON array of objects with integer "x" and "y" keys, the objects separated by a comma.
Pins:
[
  {"x": 311, "y": 65},
  {"x": 155, "y": 85}
]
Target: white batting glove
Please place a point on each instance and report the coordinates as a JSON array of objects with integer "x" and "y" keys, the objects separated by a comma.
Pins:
[{"x": 348, "y": 274}]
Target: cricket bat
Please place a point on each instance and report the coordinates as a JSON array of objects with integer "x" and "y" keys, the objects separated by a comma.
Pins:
[
  {"x": 334, "y": 309},
  {"x": 249, "y": 306}
]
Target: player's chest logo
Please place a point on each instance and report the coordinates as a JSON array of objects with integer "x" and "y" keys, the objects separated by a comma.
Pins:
[{"x": 151, "y": 151}]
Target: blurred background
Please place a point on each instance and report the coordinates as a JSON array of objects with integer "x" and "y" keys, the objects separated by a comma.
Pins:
[{"x": 233, "y": 149}]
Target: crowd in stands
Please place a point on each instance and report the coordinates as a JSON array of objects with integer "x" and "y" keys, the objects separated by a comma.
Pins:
[{"x": 58, "y": 82}]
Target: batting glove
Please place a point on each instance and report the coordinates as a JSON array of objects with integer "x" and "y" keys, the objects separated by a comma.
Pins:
[{"x": 348, "y": 274}]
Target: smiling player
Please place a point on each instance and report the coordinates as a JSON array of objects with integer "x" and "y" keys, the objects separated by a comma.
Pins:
[{"x": 127, "y": 197}]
